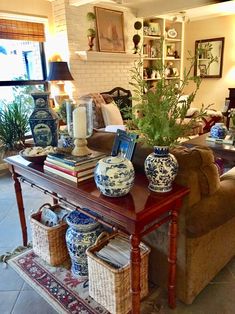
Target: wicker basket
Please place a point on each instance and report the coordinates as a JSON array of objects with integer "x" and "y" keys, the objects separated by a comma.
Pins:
[
  {"x": 110, "y": 286},
  {"x": 49, "y": 242}
]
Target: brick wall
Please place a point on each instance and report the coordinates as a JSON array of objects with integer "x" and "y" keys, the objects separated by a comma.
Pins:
[{"x": 90, "y": 76}]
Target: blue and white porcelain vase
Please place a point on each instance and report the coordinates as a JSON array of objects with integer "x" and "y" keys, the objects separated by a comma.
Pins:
[
  {"x": 161, "y": 168},
  {"x": 114, "y": 176},
  {"x": 219, "y": 131},
  {"x": 82, "y": 233},
  {"x": 44, "y": 122}
]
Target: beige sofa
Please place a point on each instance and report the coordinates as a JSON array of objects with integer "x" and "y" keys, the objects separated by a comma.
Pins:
[{"x": 206, "y": 239}]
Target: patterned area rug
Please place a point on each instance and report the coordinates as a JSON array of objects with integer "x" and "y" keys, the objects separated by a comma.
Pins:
[
  {"x": 56, "y": 285},
  {"x": 67, "y": 294}
]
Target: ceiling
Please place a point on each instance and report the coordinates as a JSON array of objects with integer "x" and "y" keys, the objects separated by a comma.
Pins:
[{"x": 192, "y": 9}]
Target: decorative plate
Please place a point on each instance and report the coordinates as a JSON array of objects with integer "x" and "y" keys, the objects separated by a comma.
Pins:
[{"x": 172, "y": 33}]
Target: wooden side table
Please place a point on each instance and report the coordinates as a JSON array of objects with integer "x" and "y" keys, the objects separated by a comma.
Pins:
[{"x": 136, "y": 214}]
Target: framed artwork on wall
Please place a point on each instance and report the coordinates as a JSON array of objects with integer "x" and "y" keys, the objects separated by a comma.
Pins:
[
  {"x": 109, "y": 24},
  {"x": 124, "y": 144}
]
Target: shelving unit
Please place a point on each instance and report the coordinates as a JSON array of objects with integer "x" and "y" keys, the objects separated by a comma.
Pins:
[{"x": 162, "y": 40}]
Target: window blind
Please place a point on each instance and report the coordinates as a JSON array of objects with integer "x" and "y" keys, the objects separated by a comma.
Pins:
[{"x": 20, "y": 30}]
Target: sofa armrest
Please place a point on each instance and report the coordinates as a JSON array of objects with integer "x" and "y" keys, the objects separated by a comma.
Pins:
[{"x": 212, "y": 211}]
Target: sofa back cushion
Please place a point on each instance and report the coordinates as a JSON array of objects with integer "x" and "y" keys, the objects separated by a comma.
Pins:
[{"x": 111, "y": 114}]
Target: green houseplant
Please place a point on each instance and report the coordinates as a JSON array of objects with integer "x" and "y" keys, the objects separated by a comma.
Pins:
[
  {"x": 13, "y": 126},
  {"x": 159, "y": 118}
]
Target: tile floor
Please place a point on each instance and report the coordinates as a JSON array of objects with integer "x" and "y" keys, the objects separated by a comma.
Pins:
[{"x": 17, "y": 297}]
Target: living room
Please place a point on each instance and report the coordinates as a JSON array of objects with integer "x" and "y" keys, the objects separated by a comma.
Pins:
[{"x": 67, "y": 24}]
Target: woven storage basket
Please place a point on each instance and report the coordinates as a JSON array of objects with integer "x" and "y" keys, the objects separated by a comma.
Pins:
[
  {"x": 49, "y": 242},
  {"x": 110, "y": 286}
]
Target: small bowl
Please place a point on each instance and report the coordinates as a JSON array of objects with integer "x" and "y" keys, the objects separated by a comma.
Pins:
[{"x": 39, "y": 159}]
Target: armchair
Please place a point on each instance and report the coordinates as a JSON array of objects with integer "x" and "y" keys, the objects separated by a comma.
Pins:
[{"x": 206, "y": 239}]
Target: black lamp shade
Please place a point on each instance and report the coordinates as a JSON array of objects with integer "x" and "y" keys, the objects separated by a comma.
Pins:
[{"x": 59, "y": 71}]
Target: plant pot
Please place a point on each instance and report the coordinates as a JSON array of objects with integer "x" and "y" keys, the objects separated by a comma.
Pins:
[
  {"x": 161, "y": 168},
  {"x": 90, "y": 42}
]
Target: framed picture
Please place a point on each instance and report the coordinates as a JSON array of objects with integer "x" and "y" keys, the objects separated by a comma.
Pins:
[
  {"x": 124, "y": 144},
  {"x": 109, "y": 24},
  {"x": 170, "y": 50},
  {"x": 202, "y": 68}
]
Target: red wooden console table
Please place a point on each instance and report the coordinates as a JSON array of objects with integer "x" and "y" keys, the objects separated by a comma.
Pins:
[{"x": 136, "y": 214}]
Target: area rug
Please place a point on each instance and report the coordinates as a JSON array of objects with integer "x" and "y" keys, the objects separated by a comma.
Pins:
[
  {"x": 67, "y": 294},
  {"x": 56, "y": 285}
]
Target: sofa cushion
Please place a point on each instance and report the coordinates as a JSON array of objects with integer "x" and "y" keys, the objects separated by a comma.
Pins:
[
  {"x": 111, "y": 114},
  {"x": 98, "y": 100}
]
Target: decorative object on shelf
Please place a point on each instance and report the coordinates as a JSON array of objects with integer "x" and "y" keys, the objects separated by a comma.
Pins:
[
  {"x": 218, "y": 130},
  {"x": 154, "y": 29},
  {"x": 170, "y": 50},
  {"x": 114, "y": 176},
  {"x": 110, "y": 30},
  {"x": 161, "y": 168},
  {"x": 136, "y": 38},
  {"x": 124, "y": 144},
  {"x": 91, "y": 33},
  {"x": 172, "y": 33},
  {"x": 59, "y": 72},
  {"x": 82, "y": 233},
  {"x": 82, "y": 127},
  {"x": 158, "y": 116},
  {"x": 43, "y": 121}
]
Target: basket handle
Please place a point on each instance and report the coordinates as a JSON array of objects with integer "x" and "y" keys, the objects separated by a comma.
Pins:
[
  {"x": 44, "y": 205},
  {"x": 104, "y": 235}
]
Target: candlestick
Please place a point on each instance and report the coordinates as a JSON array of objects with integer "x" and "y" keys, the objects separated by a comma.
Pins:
[{"x": 80, "y": 131}]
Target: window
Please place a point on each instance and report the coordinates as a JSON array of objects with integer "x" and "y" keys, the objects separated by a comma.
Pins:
[{"x": 23, "y": 59}]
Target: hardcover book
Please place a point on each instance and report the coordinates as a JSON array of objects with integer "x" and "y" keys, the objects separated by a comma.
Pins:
[
  {"x": 91, "y": 163},
  {"x": 76, "y": 160},
  {"x": 68, "y": 176},
  {"x": 75, "y": 173}
]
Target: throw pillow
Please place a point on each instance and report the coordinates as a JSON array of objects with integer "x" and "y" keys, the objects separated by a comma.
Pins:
[{"x": 111, "y": 114}]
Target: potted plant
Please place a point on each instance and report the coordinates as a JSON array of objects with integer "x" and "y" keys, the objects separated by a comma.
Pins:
[
  {"x": 159, "y": 117},
  {"x": 14, "y": 124},
  {"x": 91, "y": 33}
]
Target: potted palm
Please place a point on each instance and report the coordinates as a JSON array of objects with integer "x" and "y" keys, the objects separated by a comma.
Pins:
[
  {"x": 14, "y": 124},
  {"x": 159, "y": 117}
]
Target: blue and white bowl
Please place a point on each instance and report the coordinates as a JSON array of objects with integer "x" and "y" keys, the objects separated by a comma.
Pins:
[{"x": 114, "y": 176}]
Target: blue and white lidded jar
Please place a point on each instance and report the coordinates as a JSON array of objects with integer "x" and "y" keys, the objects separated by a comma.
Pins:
[
  {"x": 114, "y": 176},
  {"x": 82, "y": 233},
  {"x": 218, "y": 130}
]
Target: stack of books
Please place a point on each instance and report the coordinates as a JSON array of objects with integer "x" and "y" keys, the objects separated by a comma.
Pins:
[{"x": 74, "y": 168}]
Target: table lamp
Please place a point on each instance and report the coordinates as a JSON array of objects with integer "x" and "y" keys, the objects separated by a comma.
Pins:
[{"x": 59, "y": 71}]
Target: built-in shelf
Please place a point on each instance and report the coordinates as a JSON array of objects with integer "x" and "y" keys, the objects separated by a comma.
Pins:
[{"x": 97, "y": 56}]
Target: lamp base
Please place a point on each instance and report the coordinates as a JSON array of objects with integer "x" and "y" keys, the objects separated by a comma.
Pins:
[{"x": 80, "y": 147}]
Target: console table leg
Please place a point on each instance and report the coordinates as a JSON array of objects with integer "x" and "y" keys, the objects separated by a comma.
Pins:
[
  {"x": 173, "y": 229},
  {"x": 20, "y": 205},
  {"x": 135, "y": 273}
]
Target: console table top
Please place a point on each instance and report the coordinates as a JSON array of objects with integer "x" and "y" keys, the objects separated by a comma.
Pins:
[{"x": 135, "y": 210}]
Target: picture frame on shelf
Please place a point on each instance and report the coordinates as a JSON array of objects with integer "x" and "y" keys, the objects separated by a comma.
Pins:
[
  {"x": 110, "y": 32},
  {"x": 124, "y": 144},
  {"x": 170, "y": 50},
  {"x": 154, "y": 29}
]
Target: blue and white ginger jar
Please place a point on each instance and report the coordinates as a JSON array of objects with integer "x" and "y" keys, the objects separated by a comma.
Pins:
[
  {"x": 219, "y": 131},
  {"x": 114, "y": 176},
  {"x": 161, "y": 168},
  {"x": 82, "y": 233}
]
